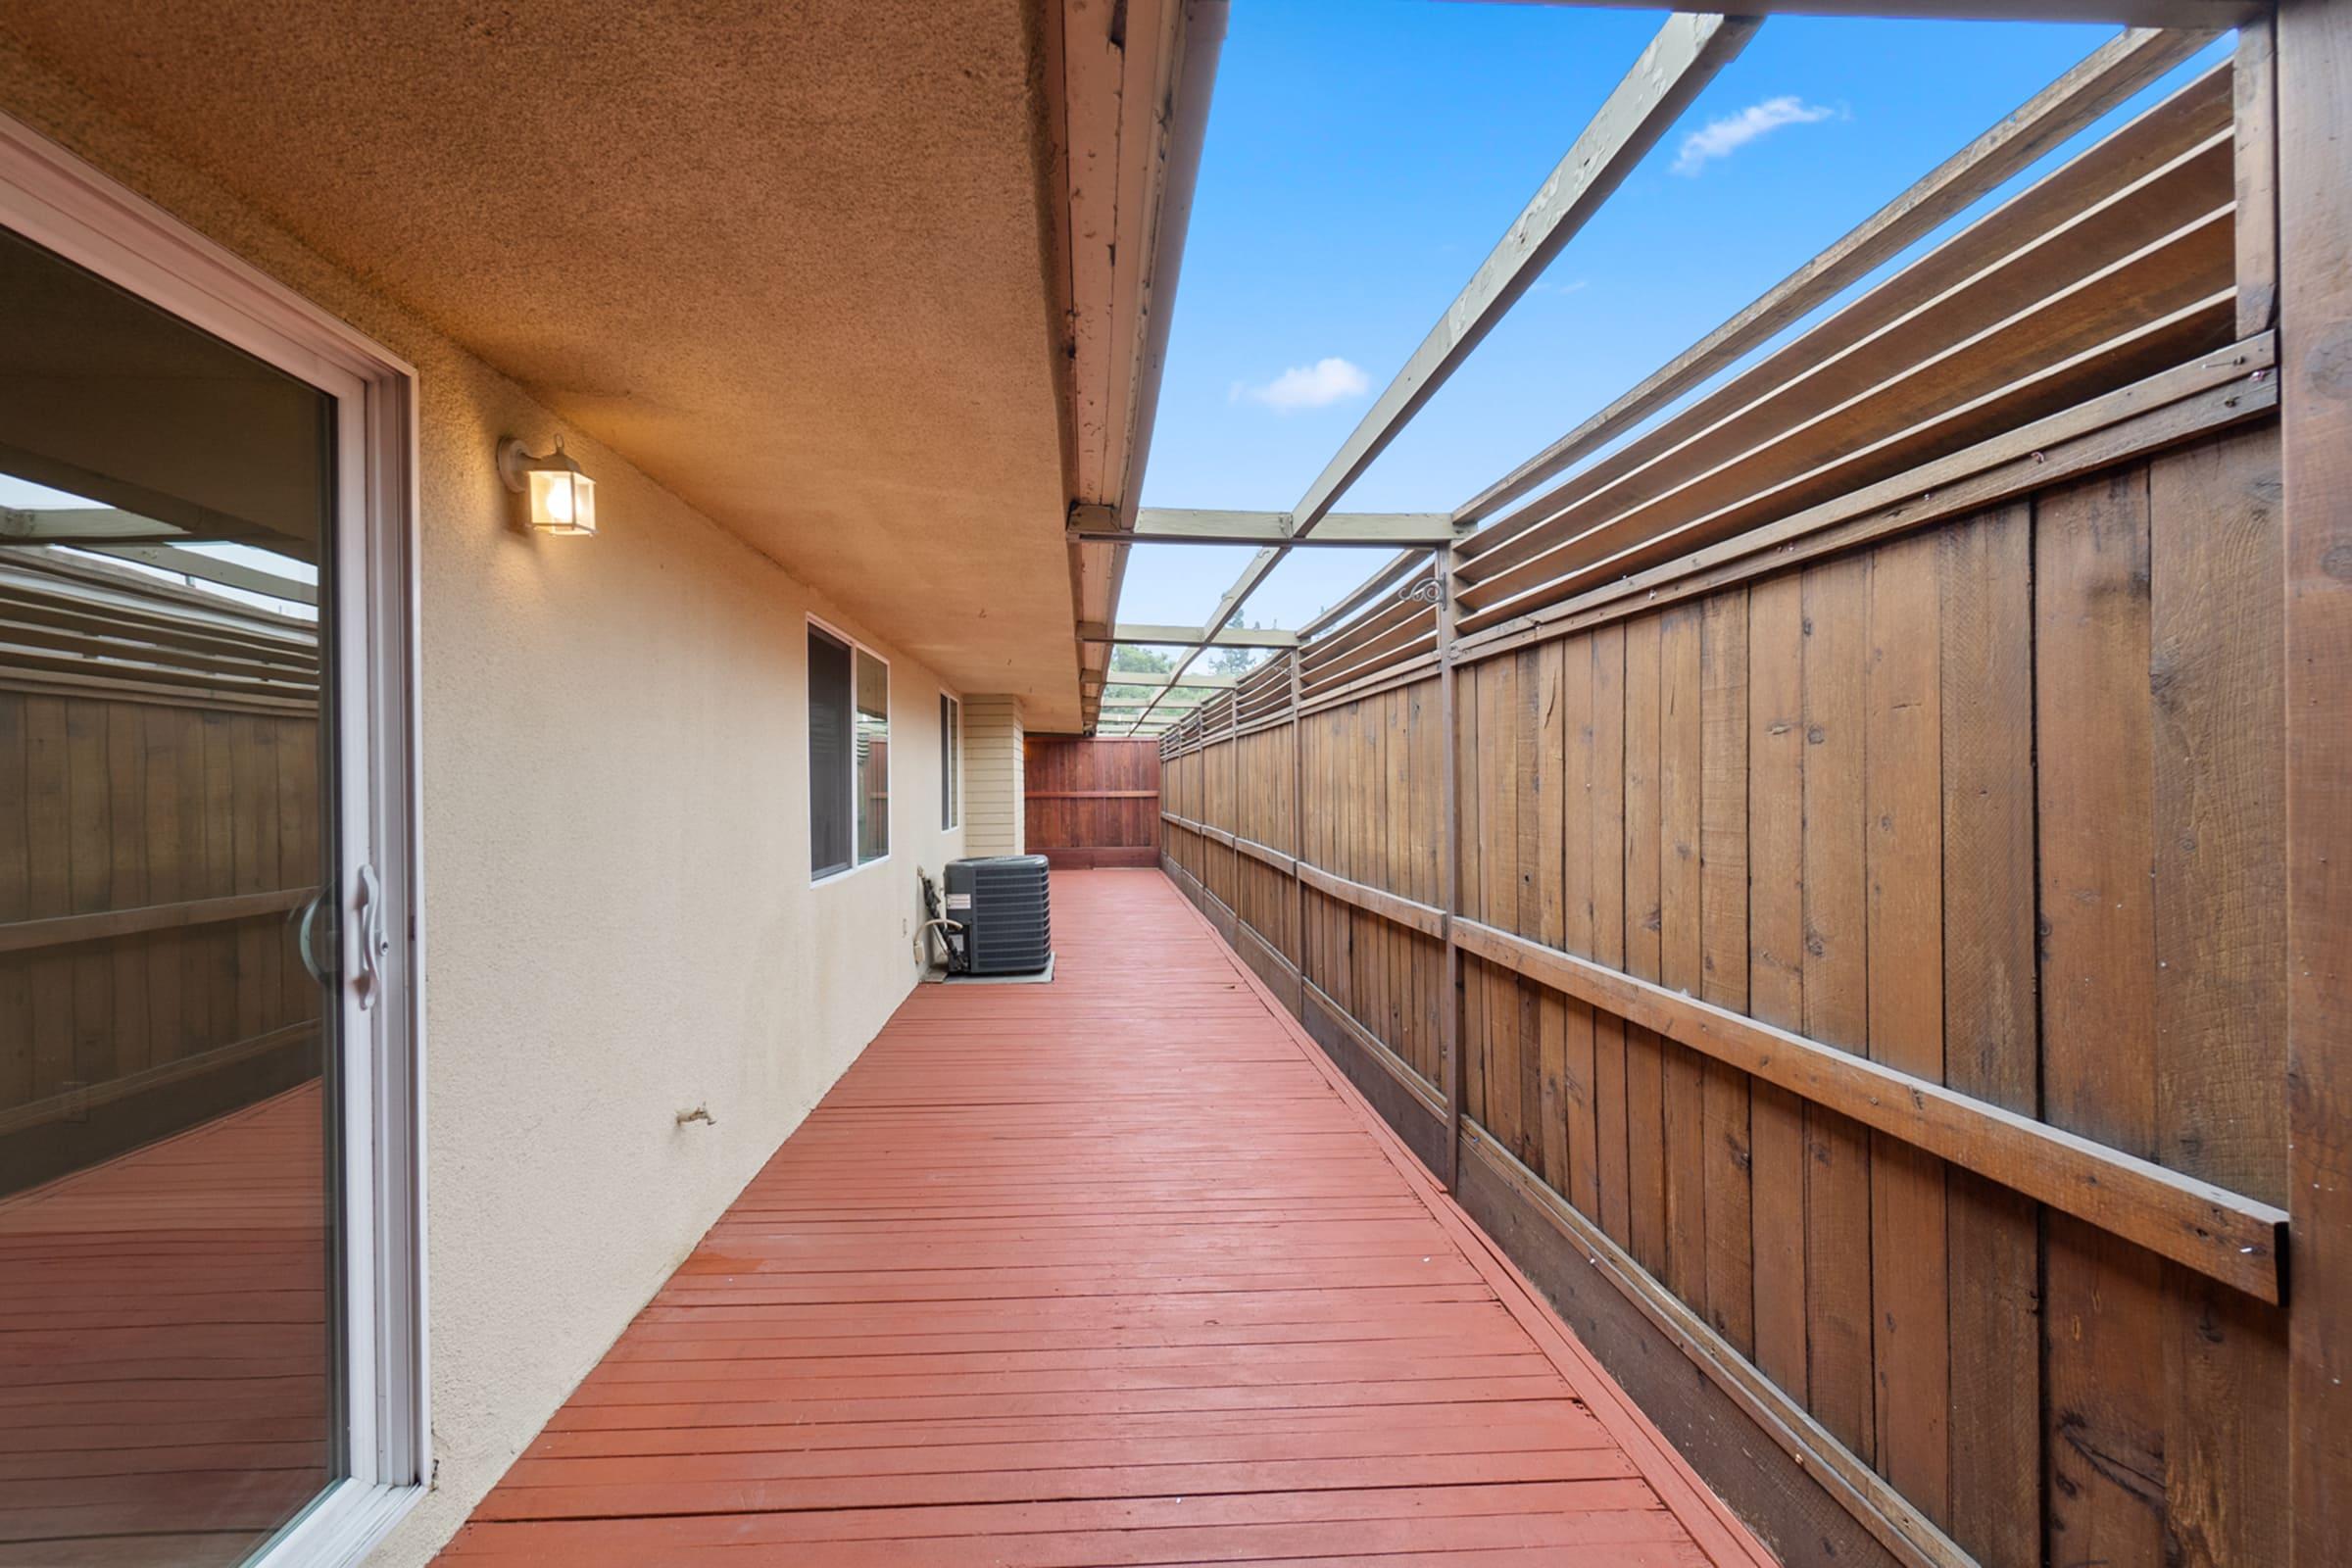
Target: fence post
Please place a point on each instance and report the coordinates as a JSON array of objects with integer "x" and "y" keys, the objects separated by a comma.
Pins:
[
  {"x": 1449, "y": 862},
  {"x": 1297, "y": 843},
  {"x": 2314, "y": 62}
]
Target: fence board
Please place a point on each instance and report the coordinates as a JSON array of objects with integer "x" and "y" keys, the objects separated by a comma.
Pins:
[{"x": 1990, "y": 803}]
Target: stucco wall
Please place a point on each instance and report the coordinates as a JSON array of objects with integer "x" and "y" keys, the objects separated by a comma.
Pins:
[{"x": 618, "y": 907}]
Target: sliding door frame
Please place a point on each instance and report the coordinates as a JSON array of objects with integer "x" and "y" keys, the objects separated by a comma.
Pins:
[{"x": 61, "y": 203}]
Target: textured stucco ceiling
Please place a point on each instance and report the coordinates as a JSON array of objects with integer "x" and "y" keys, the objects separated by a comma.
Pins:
[{"x": 789, "y": 258}]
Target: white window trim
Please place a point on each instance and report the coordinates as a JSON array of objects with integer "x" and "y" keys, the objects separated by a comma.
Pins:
[
  {"x": 954, "y": 824},
  {"x": 56, "y": 201},
  {"x": 890, "y": 761}
]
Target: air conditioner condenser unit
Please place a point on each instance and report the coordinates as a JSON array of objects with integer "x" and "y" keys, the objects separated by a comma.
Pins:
[{"x": 1004, "y": 905}]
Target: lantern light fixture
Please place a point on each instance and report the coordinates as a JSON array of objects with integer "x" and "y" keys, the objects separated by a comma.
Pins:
[{"x": 557, "y": 496}]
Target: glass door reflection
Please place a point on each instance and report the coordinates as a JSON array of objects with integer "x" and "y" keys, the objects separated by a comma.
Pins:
[{"x": 167, "y": 1005}]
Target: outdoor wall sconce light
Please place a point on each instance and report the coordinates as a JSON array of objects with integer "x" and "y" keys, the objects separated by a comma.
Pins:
[{"x": 557, "y": 496}]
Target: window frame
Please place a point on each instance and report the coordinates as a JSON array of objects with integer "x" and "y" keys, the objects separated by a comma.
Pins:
[
  {"x": 56, "y": 201},
  {"x": 950, "y": 763},
  {"x": 889, "y": 701}
]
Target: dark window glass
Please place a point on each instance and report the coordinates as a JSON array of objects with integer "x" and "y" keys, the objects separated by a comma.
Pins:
[
  {"x": 874, "y": 758},
  {"x": 829, "y": 812},
  {"x": 950, "y": 742}
]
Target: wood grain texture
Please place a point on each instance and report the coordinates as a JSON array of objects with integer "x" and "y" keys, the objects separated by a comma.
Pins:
[
  {"x": 2315, "y": 306},
  {"x": 1990, "y": 1023},
  {"x": 164, "y": 1347},
  {"x": 1175, "y": 1298},
  {"x": 2103, "y": 1446}
]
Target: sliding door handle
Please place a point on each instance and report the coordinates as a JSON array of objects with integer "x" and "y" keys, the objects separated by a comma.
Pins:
[
  {"x": 373, "y": 945},
  {"x": 304, "y": 921}
]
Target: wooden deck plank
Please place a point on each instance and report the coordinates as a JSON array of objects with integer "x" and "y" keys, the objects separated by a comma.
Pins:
[
  {"x": 163, "y": 1347},
  {"x": 1116, "y": 1270}
]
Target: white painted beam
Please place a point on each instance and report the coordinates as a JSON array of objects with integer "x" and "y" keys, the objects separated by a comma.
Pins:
[
  {"x": 208, "y": 569},
  {"x": 1191, "y": 637},
  {"x": 1137, "y": 678},
  {"x": 1359, "y": 529}
]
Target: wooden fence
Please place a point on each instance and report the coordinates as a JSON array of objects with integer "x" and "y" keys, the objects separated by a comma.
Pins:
[
  {"x": 1092, "y": 802},
  {"x": 1829, "y": 922},
  {"x": 159, "y": 823}
]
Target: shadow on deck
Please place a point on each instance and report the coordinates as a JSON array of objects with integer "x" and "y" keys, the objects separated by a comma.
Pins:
[{"x": 1116, "y": 1270}]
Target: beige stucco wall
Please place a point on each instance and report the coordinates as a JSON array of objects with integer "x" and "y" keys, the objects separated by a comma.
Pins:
[{"x": 620, "y": 915}]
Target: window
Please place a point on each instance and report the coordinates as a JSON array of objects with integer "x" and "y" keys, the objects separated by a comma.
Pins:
[
  {"x": 874, "y": 758},
  {"x": 950, "y": 760},
  {"x": 849, "y": 755}
]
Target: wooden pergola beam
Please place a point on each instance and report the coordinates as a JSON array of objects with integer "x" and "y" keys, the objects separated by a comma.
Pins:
[
  {"x": 2211, "y": 15},
  {"x": 1158, "y": 525},
  {"x": 1191, "y": 637},
  {"x": 1672, "y": 68},
  {"x": 2103, "y": 78},
  {"x": 1402, "y": 565},
  {"x": 2313, "y": 42},
  {"x": 208, "y": 569},
  {"x": 1138, "y": 677},
  {"x": 1672, "y": 71}
]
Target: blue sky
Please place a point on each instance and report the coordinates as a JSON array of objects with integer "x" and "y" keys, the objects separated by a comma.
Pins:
[{"x": 1364, "y": 155}]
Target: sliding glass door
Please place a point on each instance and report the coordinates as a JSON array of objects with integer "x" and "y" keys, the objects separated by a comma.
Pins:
[{"x": 196, "y": 1078}]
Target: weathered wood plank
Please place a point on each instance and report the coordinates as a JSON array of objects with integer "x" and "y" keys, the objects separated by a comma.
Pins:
[
  {"x": 1990, "y": 1023},
  {"x": 1838, "y": 1320},
  {"x": 2104, "y": 1441},
  {"x": 2219, "y": 1232},
  {"x": 1681, "y": 945},
  {"x": 1904, "y": 793},
  {"x": 2315, "y": 308},
  {"x": 1776, "y": 972},
  {"x": 1724, "y": 960},
  {"x": 2219, "y": 715},
  {"x": 2103, "y": 78},
  {"x": 1644, "y": 1053}
]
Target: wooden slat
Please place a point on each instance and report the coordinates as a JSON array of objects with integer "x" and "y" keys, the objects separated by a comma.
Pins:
[
  {"x": 1903, "y": 845},
  {"x": 1910, "y": 1535},
  {"x": 2315, "y": 312},
  {"x": 2129, "y": 320},
  {"x": 2102, "y": 79},
  {"x": 2093, "y": 732},
  {"x": 1992, "y": 1039},
  {"x": 1410, "y": 913},
  {"x": 23, "y": 936},
  {"x": 1960, "y": 291},
  {"x": 1378, "y": 529},
  {"x": 2223, "y": 1234},
  {"x": 1776, "y": 968},
  {"x": 1675, "y": 67},
  {"x": 169, "y": 1371},
  {"x": 2216, "y": 593},
  {"x": 1671, "y": 71},
  {"x": 2254, "y": 122},
  {"x": 1837, "y": 1283},
  {"x": 1154, "y": 1288},
  {"x": 2166, "y": 408}
]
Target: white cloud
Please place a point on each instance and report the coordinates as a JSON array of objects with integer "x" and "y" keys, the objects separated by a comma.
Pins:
[
  {"x": 1719, "y": 139},
  {"x": 1307, "y": 387}
]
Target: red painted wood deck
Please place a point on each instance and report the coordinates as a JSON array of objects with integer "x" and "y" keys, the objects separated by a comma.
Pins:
[
  {"x": 1111, "y": 1271},
  {"x": 163, "y": 1348}
]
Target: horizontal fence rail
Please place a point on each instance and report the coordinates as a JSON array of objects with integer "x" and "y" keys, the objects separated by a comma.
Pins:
[{"x": 1813, "y": 870}]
